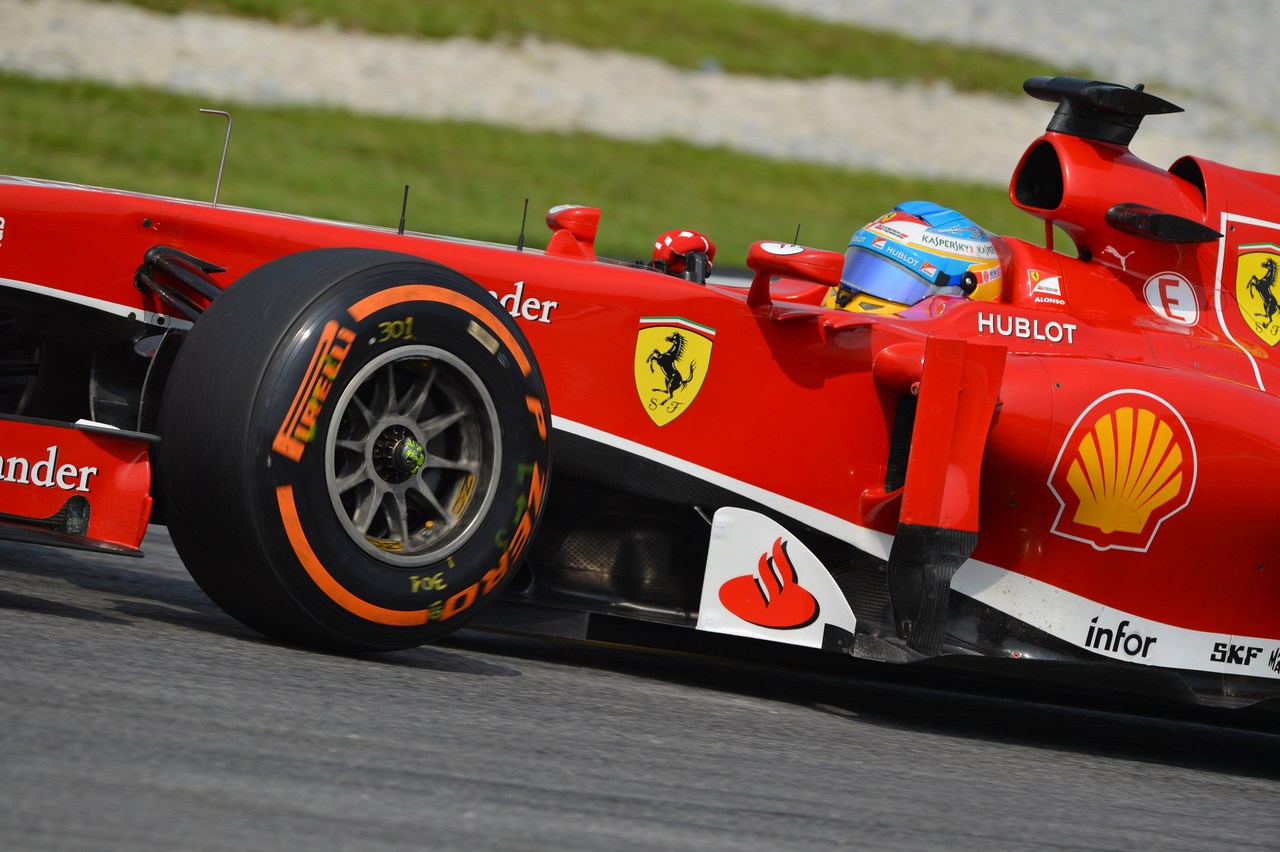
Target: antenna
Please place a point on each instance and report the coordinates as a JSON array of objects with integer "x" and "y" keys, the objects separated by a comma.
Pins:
[
  {"x": 404, "y": 206},
  {"x": 217, "y": 187},
  {"x": 796, "y": 241},
  {"x": 523, "y": 218}
]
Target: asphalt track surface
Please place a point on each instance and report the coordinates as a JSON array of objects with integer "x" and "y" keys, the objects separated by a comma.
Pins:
[{"x": 134, "y": 715}]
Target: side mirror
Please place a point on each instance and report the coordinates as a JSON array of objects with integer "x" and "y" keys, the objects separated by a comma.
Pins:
[
  {"x": 788, "y": 260},
  {"x": 575, "y": 229}
]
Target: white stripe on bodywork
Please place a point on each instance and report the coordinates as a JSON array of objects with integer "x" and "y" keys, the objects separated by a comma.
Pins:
[
  {"x": 875, "y": 543},
  {"x": 1070, "y": 617},
  {"x": 1218, "y": 289},
  {"x": 148, "y": 317}
]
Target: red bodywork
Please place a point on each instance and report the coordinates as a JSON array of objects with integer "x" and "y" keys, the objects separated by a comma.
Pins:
[{"x": 1105, "y": 428}]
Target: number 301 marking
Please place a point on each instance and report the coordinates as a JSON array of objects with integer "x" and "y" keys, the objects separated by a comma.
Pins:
[{"x": 396, "y": 330}]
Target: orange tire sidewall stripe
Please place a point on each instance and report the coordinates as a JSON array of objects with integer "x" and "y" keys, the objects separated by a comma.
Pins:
[
  {"x": 431, "y": 293},
  {"x": 325, "y": 581}
]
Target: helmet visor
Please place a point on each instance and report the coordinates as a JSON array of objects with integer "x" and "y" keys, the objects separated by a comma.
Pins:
[{"x": 869, "y": 272}]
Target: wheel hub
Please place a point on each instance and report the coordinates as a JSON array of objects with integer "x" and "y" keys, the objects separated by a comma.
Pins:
[{"x": 398, "y": 454}]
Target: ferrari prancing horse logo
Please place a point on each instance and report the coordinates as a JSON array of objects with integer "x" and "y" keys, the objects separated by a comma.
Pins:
[
  {"x": 672, "y": 358},
  {"x": 1256, "y": 292}
]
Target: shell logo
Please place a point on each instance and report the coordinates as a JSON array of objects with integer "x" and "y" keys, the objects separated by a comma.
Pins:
[{"x": 1128, "y": 465}]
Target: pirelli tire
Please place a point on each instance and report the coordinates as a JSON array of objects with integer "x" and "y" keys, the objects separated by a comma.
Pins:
[{"x": 353, "y": 450}]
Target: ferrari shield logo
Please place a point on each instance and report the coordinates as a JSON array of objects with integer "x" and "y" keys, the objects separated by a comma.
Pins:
[
  {"x": 1256, "y": 290},
  {"x": 672, "y": 358}
]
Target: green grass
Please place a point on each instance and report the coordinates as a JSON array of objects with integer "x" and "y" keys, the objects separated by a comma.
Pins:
[
  {"x": 732, "y": 36},
  {"x": 465, "y": 179},
  {"x": 472, "y": 180}
]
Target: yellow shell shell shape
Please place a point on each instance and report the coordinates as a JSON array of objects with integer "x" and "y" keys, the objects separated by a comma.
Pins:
[{"x": 1127, "y": 466}]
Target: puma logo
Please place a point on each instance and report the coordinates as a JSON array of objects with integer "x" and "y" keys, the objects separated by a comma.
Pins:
[{"x": 1120, "y": 257}]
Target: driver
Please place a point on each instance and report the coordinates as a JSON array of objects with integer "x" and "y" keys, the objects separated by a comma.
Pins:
[{"x": 916, "y": 250}]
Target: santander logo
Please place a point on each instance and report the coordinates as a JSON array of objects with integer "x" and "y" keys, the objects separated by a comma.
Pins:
[
  {"x": 790, "y": 597},
  {"x": 773, "y": 596}
]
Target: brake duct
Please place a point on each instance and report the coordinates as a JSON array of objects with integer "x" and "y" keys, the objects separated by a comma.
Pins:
[{"x": 957, "y": 386}]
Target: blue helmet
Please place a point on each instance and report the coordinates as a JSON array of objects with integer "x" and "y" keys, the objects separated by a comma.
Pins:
[{"x": 916, "y": 250}]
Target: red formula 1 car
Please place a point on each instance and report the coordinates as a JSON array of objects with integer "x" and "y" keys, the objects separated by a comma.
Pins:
[{"x": 359, "y": 438}]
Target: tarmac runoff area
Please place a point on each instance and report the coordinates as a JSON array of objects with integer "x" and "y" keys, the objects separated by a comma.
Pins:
[{"x": 917, "y": 129}]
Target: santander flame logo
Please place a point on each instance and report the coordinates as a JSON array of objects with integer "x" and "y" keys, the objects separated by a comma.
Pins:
[{"x": 773, "y": 596}]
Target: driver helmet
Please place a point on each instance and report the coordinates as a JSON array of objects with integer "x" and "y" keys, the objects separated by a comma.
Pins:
[{"x": 917, "y": 249}]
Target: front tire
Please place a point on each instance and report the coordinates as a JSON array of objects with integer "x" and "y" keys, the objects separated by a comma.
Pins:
[{"x": 354, "y": 449}]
